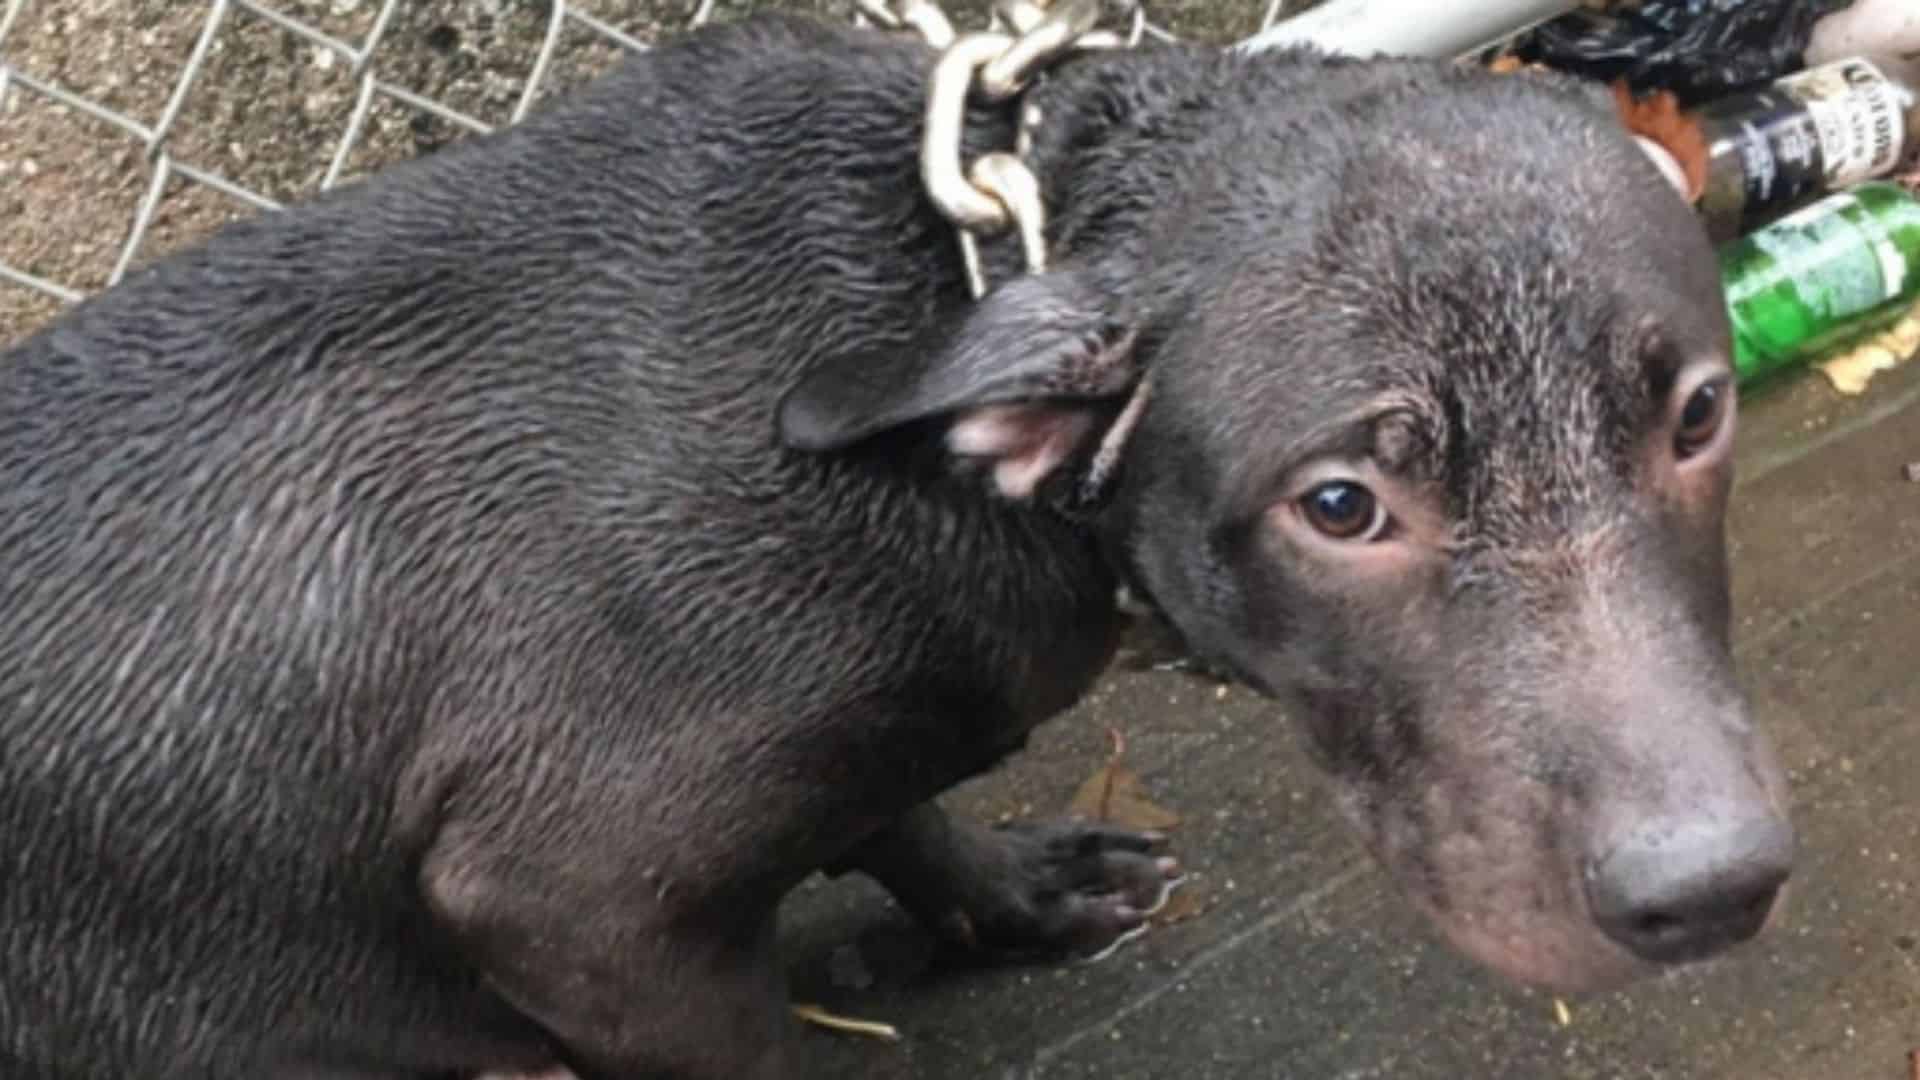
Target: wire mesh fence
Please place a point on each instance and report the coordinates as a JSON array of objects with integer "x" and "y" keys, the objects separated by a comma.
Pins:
[
  {"x": 129, "y": 128},
  {"x": 176, "y": 147}
]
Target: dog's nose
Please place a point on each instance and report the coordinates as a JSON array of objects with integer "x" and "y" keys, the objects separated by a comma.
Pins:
[{"x": 1676, "y": 892}]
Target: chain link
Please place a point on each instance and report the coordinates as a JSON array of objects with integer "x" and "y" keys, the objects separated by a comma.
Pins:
[{"x": 997, "y": 191}]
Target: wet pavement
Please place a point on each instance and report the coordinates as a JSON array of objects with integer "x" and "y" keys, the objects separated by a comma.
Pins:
[{"x": 1297, "y": 959}]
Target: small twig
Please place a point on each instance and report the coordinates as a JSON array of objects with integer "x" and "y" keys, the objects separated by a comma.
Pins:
[{"x": 814, "y": 1014}]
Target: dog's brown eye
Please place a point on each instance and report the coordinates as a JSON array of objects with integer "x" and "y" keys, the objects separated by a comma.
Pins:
[
  {"x": 1344, "y": 510},
  {"x": 1701, "y": 417}
]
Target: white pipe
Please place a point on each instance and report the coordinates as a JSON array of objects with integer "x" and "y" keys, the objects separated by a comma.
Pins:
[
  {"x": 1409, "y": 27},
  {"x": 1415, "y": 28}
]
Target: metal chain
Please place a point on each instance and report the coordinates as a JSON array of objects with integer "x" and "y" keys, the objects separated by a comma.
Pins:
[{"x": 997, "y": 191}]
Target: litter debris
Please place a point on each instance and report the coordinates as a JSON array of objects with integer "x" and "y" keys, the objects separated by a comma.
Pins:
[
  {"x": 1697, "y": 49},
  {"x": 1850, "y": 370},
  {"x": 1562, "y": 1013},
  {"x": 1827, "y": 281},
  {"x": 1912, "y": 472},
  {"x": 1773, "y": 149},
  {"x": 1827, "y": 274},
  {"x": 1114, "y": 794},
  {"x": 819, "y": 1017}
]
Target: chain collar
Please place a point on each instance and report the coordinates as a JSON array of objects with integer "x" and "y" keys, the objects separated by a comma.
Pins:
[{"x": 998, "y": 191}]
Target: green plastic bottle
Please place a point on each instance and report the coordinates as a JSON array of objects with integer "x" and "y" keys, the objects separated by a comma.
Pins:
[{"x": 1845, "y": 265}]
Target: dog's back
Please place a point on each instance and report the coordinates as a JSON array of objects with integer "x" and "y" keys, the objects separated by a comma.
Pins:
[{"x": 297, "y": 523}]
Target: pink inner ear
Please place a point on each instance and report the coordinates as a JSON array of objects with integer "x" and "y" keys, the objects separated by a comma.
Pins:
[{"x": 1026, "y": 442}]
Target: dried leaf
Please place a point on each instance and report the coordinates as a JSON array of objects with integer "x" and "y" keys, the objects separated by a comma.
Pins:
[
  {"x": 819, "y": 1017},
  {"x": 1114, "y": 794},
  {"x": 1658, "y": 117}
]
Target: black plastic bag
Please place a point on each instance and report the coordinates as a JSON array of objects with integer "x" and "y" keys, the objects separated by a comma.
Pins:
[{"x": 1698, "y": 49}]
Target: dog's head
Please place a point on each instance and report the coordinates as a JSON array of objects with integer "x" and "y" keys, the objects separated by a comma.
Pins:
[{"x": 1420, "y": 384}]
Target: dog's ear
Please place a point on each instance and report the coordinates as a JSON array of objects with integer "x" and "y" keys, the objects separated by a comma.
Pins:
[{"x": 1023, "y": 381}]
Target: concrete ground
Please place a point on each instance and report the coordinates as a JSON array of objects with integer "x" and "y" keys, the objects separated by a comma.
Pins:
[
  {"x": 1300, "y": 961},
  {"x": 1290, "y": 956}
]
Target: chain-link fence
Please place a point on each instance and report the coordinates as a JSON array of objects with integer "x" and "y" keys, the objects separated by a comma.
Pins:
[
  {"x": 355, "y": 58},
  {"x": 129, "y": 128}
]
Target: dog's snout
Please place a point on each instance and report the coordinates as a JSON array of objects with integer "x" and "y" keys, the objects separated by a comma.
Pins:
[{"x": 1677, "y": 892}]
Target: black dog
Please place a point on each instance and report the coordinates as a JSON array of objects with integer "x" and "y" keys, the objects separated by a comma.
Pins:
[{"x": 443, "y": 619}]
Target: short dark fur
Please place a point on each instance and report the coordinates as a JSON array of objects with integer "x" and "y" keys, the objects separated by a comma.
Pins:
[{"x": 421, "y": 653}]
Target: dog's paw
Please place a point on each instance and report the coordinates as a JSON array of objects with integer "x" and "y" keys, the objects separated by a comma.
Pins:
[{"x": 1062, "y": 890}]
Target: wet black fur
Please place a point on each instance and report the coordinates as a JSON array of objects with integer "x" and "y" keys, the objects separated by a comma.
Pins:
[{"x": 421, "y": 653}]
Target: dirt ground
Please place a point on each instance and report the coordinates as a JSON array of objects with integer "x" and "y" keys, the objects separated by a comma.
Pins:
[{"x": 1290, "y": 956}]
